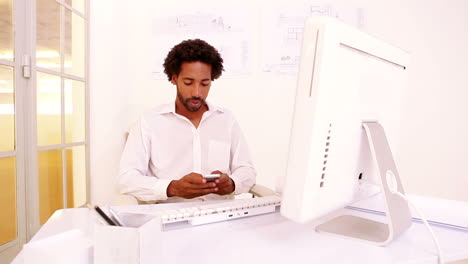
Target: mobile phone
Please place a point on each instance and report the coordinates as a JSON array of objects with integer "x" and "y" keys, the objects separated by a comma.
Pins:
[{"x": 212, "y": 177}]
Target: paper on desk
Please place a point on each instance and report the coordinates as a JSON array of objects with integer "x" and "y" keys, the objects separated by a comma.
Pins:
[
  {"x": 135, "y": 219},
  {"x": 71, "y": 247},
  {"x": 448, "y": 213}
]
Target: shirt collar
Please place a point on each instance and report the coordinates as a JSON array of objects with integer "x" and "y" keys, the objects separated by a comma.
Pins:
[{"x": 170, "y": 108}]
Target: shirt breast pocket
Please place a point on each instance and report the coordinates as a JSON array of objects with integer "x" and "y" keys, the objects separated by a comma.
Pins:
[{"x": 219, "y": 154}]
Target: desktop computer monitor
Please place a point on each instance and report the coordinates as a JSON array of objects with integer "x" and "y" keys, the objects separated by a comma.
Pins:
[{"x": 346, "y": 121}]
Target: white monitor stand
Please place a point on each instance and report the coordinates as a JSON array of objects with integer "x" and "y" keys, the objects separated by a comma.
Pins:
[{"x": 397, "y": 210}]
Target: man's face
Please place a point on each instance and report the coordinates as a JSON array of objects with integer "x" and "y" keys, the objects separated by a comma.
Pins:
[{"x": 193, "y": 84}]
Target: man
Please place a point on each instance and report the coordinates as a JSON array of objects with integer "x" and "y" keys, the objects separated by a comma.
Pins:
[{"x": 174, "y": 146}]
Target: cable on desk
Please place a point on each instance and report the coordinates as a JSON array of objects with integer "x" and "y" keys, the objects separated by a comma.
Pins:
[{"x": 423, "y": 218}]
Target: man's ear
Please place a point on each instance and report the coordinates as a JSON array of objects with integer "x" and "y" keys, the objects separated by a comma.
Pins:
[{"x": 174, "y": 79}]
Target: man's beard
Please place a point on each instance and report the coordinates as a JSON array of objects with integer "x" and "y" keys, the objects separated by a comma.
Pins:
[{"x": 186, "y": 102}]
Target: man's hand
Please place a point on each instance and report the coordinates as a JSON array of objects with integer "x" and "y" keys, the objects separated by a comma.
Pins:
[
  {"x": 224, "y": 183},
  {"x": 190, "y": 186}
]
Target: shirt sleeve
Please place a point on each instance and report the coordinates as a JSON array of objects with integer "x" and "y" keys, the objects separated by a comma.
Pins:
[
  {"x": 135, "y": 178},
  {"x": 242, "y": 169}
]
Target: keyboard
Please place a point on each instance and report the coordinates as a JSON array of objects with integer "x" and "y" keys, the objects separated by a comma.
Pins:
[{"x": 216, "y": 212}]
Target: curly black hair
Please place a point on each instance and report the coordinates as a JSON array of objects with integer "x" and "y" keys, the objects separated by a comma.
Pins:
[{"x": 192, "y": 50}]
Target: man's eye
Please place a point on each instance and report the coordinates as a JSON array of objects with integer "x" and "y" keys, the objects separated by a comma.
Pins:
[
  {"x": 188, "y": 83},
  {"x": 205, "y": 84}
]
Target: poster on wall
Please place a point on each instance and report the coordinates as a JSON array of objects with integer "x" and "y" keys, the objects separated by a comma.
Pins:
[
  {"x": 220, "y": 27},
  {"x": 282, "y": 28}
]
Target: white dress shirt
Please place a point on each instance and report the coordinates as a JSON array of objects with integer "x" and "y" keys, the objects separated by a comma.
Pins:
[{"x": 166, "y": 146}]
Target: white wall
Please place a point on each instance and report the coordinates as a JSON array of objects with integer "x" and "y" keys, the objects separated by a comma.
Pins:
[
  {"x": 433, "y": 142},
  {"x": 110, "y": 75}
]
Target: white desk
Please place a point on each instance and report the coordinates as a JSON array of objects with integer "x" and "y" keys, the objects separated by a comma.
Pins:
[{"x": 274, "y": 239}]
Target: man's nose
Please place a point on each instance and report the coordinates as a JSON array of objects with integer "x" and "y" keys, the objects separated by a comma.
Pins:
[{"x": 196, "y": 90}]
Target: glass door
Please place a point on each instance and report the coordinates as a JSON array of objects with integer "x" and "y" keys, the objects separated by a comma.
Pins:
[
  {"x": 61, "y": 105},
  {"x": 12, "y": 180},
  {"x": 43, "y": 115}
]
